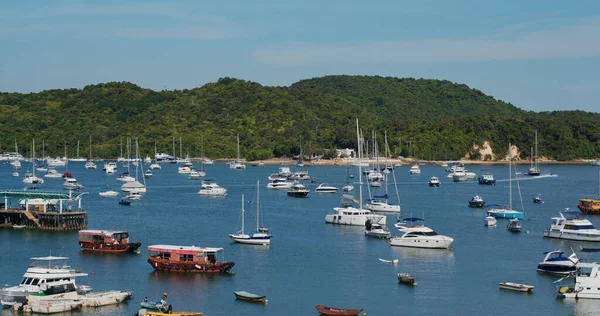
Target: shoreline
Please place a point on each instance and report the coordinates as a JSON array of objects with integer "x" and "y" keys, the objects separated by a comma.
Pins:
[{"x": 398, "y": 162}]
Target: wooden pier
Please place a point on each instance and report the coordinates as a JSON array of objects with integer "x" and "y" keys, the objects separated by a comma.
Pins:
[{"x": 43, "y": 210}]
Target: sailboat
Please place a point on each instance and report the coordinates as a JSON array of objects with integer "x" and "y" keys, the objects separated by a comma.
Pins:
[
  {"x": 238, "y": 165},
  {"x": 534, "y": 170},
  {"x": 349, "y": 215},
  {"x": 30, "y": 177},
  {"x": 299, "y": 163},
  {"x": 135, "y": 186},
  {"x": 261, "y": 236},
  {"x": 380, "y": 203},
  {"x": 202, "y": 173},
  {"x": 42, "y": 167},
  {"x": 348, "y": 187},
  {"x": 90, "y": 162},
  {"x": 77, "y": 158},
  {"x": 507, "y": 213}
]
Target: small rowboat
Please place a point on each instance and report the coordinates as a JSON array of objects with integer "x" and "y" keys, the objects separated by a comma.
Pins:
[
  {"x": 143, "y": 312},
  {"x": 395, "y": 261},
  {"x": 327, "y": 310},
  {"x": 245, "y": 296},
  {"x": 406, "y": 279},
  {"x": 516, "y": 287}
]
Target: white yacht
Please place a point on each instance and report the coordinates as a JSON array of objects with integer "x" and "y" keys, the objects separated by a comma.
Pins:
[
  {"x": 52, "y": 173},
  {"x": 419, "y": 236},
  {"x": 380, "y": 204},
  {"x": 490, "y": 221},
  {"x": 110, "y": 167},
  {"x": 108, "y": 193},
  {"x": 554, "y": 262},
  {"x": 148, "y": 174},
  {"x": 570, "y": 226},
  {"x": 43, "y": 270},
  {"x": 70, "y": 183},
  {"x": 434, "y": 181},
  {"x": 299, "y": 175},
  {"x": 373, "y": 175},
  {"x": 376, "y": 230},
  {"x": 587, "y": 283},
  {"x": 125, "y": 177},
  {"x": 134, "y": 187},
  {"x": 31, "y": 178},
  {"x": 415, "y": 169},
  {"x": 325, "y": 188},
  {"x": 155, "y": 166},
  {"x": 348, "y": 188},
  {"x": 147, "y": 160},
  {"x": 194, "y": 175},
  {"x": 279, "y": 183},
  {"x": 212, "y": 189},
  {"x": 284, "y": 172},
  {"x": 348, "y": 215},
  {"x": 55, "y": 162},
  {"x": 237, "y": 165}
]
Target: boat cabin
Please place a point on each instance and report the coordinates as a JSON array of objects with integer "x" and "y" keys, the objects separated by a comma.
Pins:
[
  {"x": 103, "y": 236},
  {"x": 188, "y": 259},
  {"x": 589, "y": 206}
]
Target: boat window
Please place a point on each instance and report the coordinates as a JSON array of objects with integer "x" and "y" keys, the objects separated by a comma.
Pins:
[
  {"x": 166, "y": 255},
  {"x": 183, "y": 257},
  {"x": 576, "y": 227},
  {"x": 35, "y": 282}
]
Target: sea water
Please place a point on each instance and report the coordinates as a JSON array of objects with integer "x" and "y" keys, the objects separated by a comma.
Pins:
[{"x": 310, "y": 262}]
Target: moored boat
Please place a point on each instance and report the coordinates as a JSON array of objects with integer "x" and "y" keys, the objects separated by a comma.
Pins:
[
  {"x": 187, "y": 259},
  {"x": 325, "y": 188},
  {"x": 587, "y": 283},
  {"x": 570, "y": 226},
  {"x": 376, "y": 230},
  {"x": 486, "y": 178},
  {"x": 406, "y": 279},
  {"x": 328, "y": 310},
  {"x": 554, "y": 262},
  {"x": 434, "y": 181},
  {"x": 97, "y": 299},
  {"x": 476, "y": 202},
  {"x": 516, "y": 287},
  {"x": 514, "y": 225},
  {"x": 490, "y": 221},
  {"x": 589, "y": 206},
  {"x": 298, "y": 190},
  {"x": 537, "y": 199},
  {"x": 250, "y": 297},
  {"x": 106, "y": 241}
]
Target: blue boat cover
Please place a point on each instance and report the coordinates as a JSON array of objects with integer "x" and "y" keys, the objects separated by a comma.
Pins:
[
  {"x": 385, "y": 196},
  {"x": 413, "y": 219}
]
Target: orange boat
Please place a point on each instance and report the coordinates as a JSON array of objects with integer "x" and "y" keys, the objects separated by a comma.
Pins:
[
  {"x": 589, "y": 206},
  {"x": 327, "y": 310},
  {"x": 187, "y": 259},
  {"x": 106, "y": 241}
]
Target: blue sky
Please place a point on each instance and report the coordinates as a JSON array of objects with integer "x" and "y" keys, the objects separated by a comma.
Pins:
[{"x": 537, "y": 55}]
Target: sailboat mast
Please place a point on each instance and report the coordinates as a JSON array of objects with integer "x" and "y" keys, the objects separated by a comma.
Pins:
[
  {"x": 180, "y": 148},
  {"x": 257, "y": 203},
  {"x": 242, "y": 213},
  {"x": 121, "y": 156},
  {"x": 509, "y": 178},
  {"x": 360, "y": 193},
  {"x": 90, "y": 147},
  {"x": 33, "y": 157},
  {"x": 173, "y": 146},
  {"x": 77, "y": 148},
  {"x": 238, "y": 147},
  {"x": 535, "y": 157}
]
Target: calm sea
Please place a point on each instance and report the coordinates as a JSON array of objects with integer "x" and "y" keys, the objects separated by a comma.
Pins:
[{"x": 310, "y": 262}]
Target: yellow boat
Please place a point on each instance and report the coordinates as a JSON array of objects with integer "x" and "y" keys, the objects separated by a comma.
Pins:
[{"x": 589, "y": 206}]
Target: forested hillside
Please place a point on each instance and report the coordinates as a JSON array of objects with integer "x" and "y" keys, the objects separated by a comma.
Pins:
[{"x": 428, "y": 119}]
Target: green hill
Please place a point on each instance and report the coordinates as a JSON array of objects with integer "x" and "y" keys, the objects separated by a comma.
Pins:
[{"x": 429, "y": 119}]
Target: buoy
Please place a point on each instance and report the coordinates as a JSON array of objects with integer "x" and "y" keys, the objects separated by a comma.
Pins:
[
  {"x": 92, "y": 273},
  {"x": 451, "y": 249},
  {"x": 266, "y": 301},
  {"x": 526, "y": 232}
]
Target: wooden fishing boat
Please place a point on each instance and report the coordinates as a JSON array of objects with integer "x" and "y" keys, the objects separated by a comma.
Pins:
[
  {"x": 245, "y": 296},
  {"x": 516, "y": 287},
  {"x": 188, "y": 259},
  {"x": 328, "y": 310},
  {"x": 106, "y": 241},
  {"x": 406, "y": 279},
  {"x": 589, "y": 206}
]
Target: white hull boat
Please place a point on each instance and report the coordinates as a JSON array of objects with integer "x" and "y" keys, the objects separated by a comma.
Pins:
[
  {"x": 570, "y": 226},
  {"x": 212, "y": 189},
  {"x": 353, "y": 216},
  {"x": 490, "y": 221},
  {"x": 97, "y": 299},
  {"x": 108, "y": 193},
  {"x": 53, "y": 306},
  {"x": 516, "y": 287},
  {"x": 382, "y": 207},
  {"x": 325, "y": 188}
]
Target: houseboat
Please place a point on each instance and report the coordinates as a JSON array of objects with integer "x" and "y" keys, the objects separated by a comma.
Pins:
[
  {"x": 106, "y": 241},
  {"x": 188, "y": 259}
]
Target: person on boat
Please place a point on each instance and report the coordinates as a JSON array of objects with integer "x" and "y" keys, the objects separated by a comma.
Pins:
[{"x": 162, "y": 305}]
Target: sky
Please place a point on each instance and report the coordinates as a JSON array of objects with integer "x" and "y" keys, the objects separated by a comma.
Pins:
[{"x": 537, "y": 55}]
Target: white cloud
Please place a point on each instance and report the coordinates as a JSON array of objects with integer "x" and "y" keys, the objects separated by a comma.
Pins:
[{"x": 574, "y": 41}]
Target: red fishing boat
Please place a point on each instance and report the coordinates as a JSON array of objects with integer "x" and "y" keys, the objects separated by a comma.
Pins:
[
  {"x": 106, "y": 241},
  {"x": 188, "y": 259},
  {"x": 327, "y": 310}
]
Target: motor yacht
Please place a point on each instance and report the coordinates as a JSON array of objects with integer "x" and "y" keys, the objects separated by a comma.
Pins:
[
  {"x": 554, "y": 262},
  {"x": 52, "y": 173},
  {"x": 486, "y": 178},
  {"x": 185, "y": 169},
  {"x": 376, "y": 230},
  {"x": 108, "y": 193},
  {"x": 415, "y": 169},
  {"x": 434, "y": 181},
  {"x": 155, "y": 166},
  {"x": 348, "y": 188},
  {"x": 298, "y": 190},
  {"x": 148, "y": 174},
  {"x": 514, "y": 225},
  {"x": 279, "y": 183},
  {"x": 194, "y": 175},
  {"x": 284, "y": 172},
  {"x": 570, "y": 226},
  {"x": 299, "y": 175},
  {"x": 212, "y": 189},
  {"x": 125, "y": 177},
  {"x": 70, "y": 184},
  {"x": 326, "y": 188},
  {"x": 476, "y": 202},
  {"x": 348, "y": 215},
  {"x": 90, "y": 164},
  {"x": 587, "y": 283},
  {"x": 419, "y": 236},
  {"x": 43, "y": 270}
]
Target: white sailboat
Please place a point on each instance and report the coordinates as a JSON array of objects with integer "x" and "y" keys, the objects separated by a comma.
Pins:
[
  {"x": 90, "y": 161},
  {"x": 237, "y": 165},
  {"x": 30, "y": 177},
  {"x": 77, "y": 158},
  {"x": 348, "y": 215},
  {"x": 42, "y": 167},
  {"x": 380, "y": 203},
  {"x": 135, "y": 186},
  {"x": 261, "y": 236},
  {"x": 534, "y": 170}
]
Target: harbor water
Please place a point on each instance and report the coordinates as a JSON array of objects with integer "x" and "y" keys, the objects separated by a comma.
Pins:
[{"x": 310, "y": 262}]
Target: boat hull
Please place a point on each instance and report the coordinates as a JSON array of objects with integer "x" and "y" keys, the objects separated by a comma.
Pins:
[
  {"x": 555, "y": 268},
  {"x": 431, "y": 243},
  {"x": 354, "y": 220},
  {"x": 516, "y": 287},
  {"x": 517, "y": 215},
  {"x": 251, "y": 241},
  {"x": 571, "y": 236},
  {"x": 477, "y": 204},
  {"x": 190, "y": 267},
  {"x": 382, "y": 208},
  {"x": 245, "y": 296},
  {"x": 110, "y": 248},
  {"x": 98, "y": 299},
  {"x": 327, "y": 310}
]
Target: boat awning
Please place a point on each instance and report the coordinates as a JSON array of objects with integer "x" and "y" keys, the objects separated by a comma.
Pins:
[{"x": 40, "y": 195}]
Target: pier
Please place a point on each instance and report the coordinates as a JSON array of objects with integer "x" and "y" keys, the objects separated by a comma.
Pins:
[{"x": 55, "y": 211}]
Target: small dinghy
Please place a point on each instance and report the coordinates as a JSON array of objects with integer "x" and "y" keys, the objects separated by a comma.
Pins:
[
  {"x": 328, "y": 310},
  {"x": 144, "y": 312},
  {"x": 516, "y": 287},
  {"x": 96, "y": 299},
  {"x": 406, "y": 279},
  {"x": 250, "y": 297},
  {"x": 395, "y": 261},
  {"x": 124, "y": 202}
]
